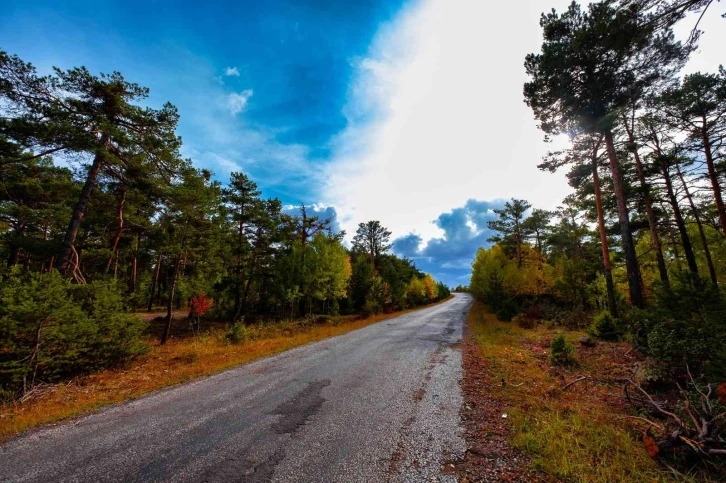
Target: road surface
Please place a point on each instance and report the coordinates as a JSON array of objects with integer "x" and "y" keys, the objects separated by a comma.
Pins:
[{"x": 378, "y": 404}]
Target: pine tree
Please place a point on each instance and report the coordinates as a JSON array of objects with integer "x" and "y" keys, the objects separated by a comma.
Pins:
[
  {"x": 372, "y": 238},
  {"x": 592, "y": 64},
  {"x": 510, "y": 224},
  {"x": 74, "y": 111}
]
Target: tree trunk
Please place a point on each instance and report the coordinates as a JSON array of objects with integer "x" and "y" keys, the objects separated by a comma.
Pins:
[
  {"x": 134, "y": 266},
  {"x": 238, "y": 281},
  {"x": 248, "y": 284},
  {"x": 154, "y": 282},
  {"x": 119, "y": 232},
  {"x": 170, "y": 299},
  {"x": 654, "y": 237},
  {"x": 519, "y": 250},
  {"x": 607, "y": 267},
  {"x": 714, "y": 178},
  {"x": 66, "y": 249},
  {"x": 701, "y": 233},
  {"x": 680, "y": 223},
  {"x": 631, "y": 258}
]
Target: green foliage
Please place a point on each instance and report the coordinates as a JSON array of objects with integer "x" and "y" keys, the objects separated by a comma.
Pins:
[
  {"x": 562, "y": 352},
  {"x": 377, "y": 296},
  {"x": 237, "y": 333},
  {"x": 372, "y": 238},
  {"x": 330, "y": 268},
  {"x": 51, "y": 329},
  {"x": 686, "y": 328},
  {"x": 507, "y": 311},
  {"x": 442, "y": 291},
  {"x": 606, "y": 327}
]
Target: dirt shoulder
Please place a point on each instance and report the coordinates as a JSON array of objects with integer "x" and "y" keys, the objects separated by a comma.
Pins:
[{"x": 489, "y": 456}]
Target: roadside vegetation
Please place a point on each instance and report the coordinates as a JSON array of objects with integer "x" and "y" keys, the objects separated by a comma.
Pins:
[
  {"x": 102, "y": 220},
  {"x": 576, "y": 431},
  {"x": 610, "y": 311},
  {"x": 182, "y": 359}
]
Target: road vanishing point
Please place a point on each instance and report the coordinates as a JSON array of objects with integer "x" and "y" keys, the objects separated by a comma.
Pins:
[{"x": 376, "y": 404}]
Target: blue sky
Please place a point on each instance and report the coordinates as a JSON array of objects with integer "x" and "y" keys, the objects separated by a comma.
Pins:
[{"x": 409, "y": 112}]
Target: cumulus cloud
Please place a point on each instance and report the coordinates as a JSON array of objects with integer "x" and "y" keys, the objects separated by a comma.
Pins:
[
  {"x": 435, "y": 117},
  {"x": 231, "y": 71},
  {"x": 236, "y": 102},
  {"x": 448, "y": 257}
]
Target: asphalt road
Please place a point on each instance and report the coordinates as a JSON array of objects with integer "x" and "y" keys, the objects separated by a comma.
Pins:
[{"x": 378, "y": 404}]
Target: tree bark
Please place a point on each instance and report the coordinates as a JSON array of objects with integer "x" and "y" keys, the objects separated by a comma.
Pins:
[
  {"x": 701, "y": 233},
  {"x": 154, "y": 281},
  {"x": 607, "y": 267},
  {"x": 134, "y": 266},
  {"x": 631, "y": 259},
  {"x": 519, "y": 249},
  {"x": 66, "y": 250},
  {"x": 238, "y": 281},
  {"x": 654, "y": 237},
  {"x": 680, "y": 223},
  {"x": 714, "y": 178},
  {"x": 170, "y": 300},
  {"x": 119, "y": 232}
]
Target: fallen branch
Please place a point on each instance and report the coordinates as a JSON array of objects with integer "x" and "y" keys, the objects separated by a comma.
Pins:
[
  {"x": 699, "y": 434},
  {"x": 651, "y": 423},
  {"x": 575, "y": 382}
]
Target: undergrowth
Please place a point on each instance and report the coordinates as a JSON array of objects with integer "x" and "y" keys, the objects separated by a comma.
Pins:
[{"x": 579, "y": 433}]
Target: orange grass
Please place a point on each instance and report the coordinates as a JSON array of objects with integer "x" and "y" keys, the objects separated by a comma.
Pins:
[{"x": 180, "y": 360}]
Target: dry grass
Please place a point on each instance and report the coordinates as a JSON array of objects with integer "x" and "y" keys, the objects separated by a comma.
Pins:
[
  {"x": 576, "y": 434},
  {"x": 180, "y": 360}
]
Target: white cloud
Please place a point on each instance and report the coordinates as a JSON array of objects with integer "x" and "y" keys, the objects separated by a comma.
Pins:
[
  {"x": 436, "y": 116},
  {"x": 231, "y": 71},
  {"x": 443, "y": 85},
  {"x": 236, "y": 102}
]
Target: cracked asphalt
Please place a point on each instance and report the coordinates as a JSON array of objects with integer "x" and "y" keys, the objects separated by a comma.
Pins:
[{"x": 377, "y": 404}]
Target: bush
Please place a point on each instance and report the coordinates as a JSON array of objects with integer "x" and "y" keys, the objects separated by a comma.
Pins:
[
  {"x": 525, "y": 322},
  {"x": 606, "y": 327},
  {"x": 529, "y": 318},
  {"x": 685, "y": 329},
  {"x": 50, "y": 329},
  {"x": 237, "y": 333},
  {"x": 507, "y": 311},
  {"x": 562, "y": 352}
]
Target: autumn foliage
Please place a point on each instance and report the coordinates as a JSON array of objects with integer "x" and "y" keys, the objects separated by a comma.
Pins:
[{"x": 199, "y": 305}]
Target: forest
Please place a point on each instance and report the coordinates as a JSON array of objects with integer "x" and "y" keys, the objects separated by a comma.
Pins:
[
  {"x": 637, "y": 250},
  {"x": 101, "y": 218}
]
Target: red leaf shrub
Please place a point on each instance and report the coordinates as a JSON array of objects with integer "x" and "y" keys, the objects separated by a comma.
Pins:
[{"x": 200, "y": 305}]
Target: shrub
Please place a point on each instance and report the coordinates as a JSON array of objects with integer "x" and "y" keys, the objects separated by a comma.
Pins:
[
  {"x": 533, "y": 313},
  {"x": 237, "y": 333},
  {"x": 562, "y": 352},
  {"x": 50, "y": 329},
  {"x": 606, "y": 327},
  {"x": 529, "y": 318},
  {"x": 525, "y": 322},
  {"x": 507, "y": 311},
  {"x": 686, "y": 328}
]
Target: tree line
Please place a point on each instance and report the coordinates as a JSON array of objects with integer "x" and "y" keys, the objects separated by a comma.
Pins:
[
  {"x": 100, "y": 215},
  {"x": 642, "y": 237},
  {"x": 637, "y": 251}
]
